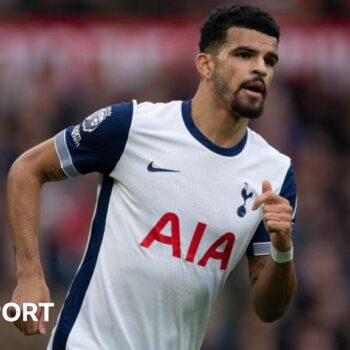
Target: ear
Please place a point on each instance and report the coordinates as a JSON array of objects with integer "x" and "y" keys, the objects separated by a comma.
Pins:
[{"x": 205, "y": 65}]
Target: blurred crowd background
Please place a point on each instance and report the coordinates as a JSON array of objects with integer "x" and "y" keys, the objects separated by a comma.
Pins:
[
  {"x": 60, "y": 60},
  {"x": 291, "y": 7}
]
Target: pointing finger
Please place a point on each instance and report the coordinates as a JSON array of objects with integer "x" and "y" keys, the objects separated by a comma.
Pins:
[
  {"x": 266, "y": 190},
  {"x": 266, "y": 186},
  {"x": 267, "y": 196}
]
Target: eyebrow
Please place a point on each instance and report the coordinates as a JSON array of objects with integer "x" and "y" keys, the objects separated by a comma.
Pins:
[{"x": 254, "y": 51}]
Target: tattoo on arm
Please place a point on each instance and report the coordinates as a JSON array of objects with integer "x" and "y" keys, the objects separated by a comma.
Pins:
[
  {"x": 14, "y": 249},
  {"x": 54, "y": 173}
]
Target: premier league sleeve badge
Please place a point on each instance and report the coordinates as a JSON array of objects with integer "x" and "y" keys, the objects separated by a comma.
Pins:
[{"x": 95, "y": 119}]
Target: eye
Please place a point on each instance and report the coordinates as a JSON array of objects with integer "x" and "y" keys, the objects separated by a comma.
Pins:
[
  {"x": 270, "y": 61},
  {"x": 244, "y": 55}
]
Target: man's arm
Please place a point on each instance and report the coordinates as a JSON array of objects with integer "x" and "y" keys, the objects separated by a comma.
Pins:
[
  {"x": 273, "y": 284},
  {"x": 25, "y": 180}
]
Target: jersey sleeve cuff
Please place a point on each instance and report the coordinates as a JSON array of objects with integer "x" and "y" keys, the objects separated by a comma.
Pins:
[
  {"x": 64, "y": 155},
  {"x": 261, "y": 248}
]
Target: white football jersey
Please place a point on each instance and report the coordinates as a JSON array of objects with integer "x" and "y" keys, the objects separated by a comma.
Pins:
[{"x": 173, "y": 218}]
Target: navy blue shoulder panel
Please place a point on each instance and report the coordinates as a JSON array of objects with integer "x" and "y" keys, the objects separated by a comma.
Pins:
[
  {"x": 97, "y": 144},
  {"x": 289, "y": 188},
  {"x": 77, "y": 292},
  {"x": 261, "y": 236}
]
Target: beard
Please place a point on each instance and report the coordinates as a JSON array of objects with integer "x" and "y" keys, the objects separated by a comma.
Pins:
[{"x": 239, "y": 107}]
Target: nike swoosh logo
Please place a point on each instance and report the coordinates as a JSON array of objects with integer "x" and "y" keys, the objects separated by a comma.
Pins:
[{"x": 152, "y": 169}]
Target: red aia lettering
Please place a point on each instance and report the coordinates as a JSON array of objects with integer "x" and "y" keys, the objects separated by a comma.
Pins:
[
  {"x": 196, "y": 239},
  {"x": 174, "y": 240},
  {"x": 156, "y": 234},
  {"x": 213, "y": 253}
]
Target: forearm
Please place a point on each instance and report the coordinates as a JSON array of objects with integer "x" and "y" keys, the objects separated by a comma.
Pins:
[
  {"x": 23, "y": 196},
  {"x": 25, "y": 180},
  {"x": 273, "y": 290}
]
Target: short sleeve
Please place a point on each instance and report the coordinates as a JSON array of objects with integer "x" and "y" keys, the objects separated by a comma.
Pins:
[
  {"x": 97, "y": 143},
  {"x": 260, "y": 243}
]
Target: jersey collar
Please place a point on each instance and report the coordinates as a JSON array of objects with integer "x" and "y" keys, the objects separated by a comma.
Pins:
[{"x": 197, "y": 134}]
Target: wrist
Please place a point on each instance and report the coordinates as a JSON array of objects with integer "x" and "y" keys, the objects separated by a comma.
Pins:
[
  {"x": 281, "y": 243},
  {"x": 281, "y": 257},
  {"x": 29, "y": 269}
]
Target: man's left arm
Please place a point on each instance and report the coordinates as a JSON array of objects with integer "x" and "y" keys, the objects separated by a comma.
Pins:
[{"x": 272, "y": 277}]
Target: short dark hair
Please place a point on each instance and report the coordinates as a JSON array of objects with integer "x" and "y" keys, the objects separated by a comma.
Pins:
[{"x": 215, "y": 27}]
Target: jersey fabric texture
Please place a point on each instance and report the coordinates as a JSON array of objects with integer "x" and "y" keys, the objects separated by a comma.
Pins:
[{"x": 173, "y": 218}]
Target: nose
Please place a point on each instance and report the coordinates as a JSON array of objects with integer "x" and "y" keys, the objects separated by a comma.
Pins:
[{"x": 259, "y": 67}]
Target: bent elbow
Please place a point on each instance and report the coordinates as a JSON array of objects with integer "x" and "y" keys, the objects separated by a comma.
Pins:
[
  {"x": 269, "y": 318},
  {"x": 271, "y": 315}
]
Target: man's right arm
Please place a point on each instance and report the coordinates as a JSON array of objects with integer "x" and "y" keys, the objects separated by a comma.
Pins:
[
  {"x": 95, "y": 145},
  {"x": 25, "y": 180}
]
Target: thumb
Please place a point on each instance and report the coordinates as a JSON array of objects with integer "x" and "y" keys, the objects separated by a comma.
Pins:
[
  {"x": 266, "y": 186},
  {"x": 42, "y": 323}
]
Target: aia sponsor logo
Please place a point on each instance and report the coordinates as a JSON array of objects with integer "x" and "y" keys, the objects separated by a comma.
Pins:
[{"x": 219, "y": 250}]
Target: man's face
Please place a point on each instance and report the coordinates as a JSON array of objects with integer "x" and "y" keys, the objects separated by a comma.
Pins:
[{"x": 243, "y": 70}]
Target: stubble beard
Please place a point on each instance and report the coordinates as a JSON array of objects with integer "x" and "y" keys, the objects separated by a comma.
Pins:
[{"x": 238, "y": 108}]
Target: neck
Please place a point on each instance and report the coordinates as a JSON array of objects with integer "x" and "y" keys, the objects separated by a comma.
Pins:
[{"x": 215, "y": 120}]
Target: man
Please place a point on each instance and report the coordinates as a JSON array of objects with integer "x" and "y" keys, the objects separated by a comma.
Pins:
[{"x": 186, "y": 188}]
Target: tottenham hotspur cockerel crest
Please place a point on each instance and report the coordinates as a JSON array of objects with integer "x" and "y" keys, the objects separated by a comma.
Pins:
[{"x": 241, "y": 211}]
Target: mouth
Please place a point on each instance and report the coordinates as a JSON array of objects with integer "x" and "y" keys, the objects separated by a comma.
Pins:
[{"x": 254, "y": 89}]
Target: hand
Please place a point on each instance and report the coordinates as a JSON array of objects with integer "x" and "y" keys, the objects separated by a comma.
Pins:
[
  {"x": 277, "y": 217},
  {"x": 33, "y": 290}
]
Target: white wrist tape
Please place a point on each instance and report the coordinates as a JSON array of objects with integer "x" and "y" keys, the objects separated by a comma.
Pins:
[{"x": 281, "y": 257}]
